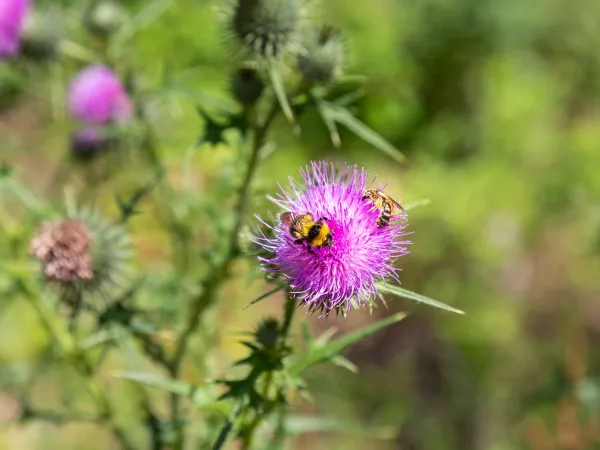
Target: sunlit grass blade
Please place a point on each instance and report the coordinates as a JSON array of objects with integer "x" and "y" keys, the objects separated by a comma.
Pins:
[
  {"x": 262, "y": 297},
  {"x": 201, "y": 396},
  {"x": 279, "y": 89},
  {"x": 405, "y": 293},
  {"x": 422, "y": 202},
  {"x": 332, "y": 349},
  {"x": 296, "y": 425},
  {"x": 343, "y": 116}
]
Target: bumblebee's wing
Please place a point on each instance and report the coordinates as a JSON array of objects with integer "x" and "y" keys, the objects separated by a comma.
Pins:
[
  {"x": 398, "y": 205},
  {"x": 287, "y": 218},
  {"x": 394, "y": 202}
]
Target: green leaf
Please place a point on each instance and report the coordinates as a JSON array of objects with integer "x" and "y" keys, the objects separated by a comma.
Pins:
[
  {"x": 201, "y": 396},
  {"x": 279, "y": 89},
  {"x": 344, "y": 362},
  {"x": 296, "y": 425},
  {"x": 330, "y": 124},
  {"x": 414, "y": 204},
  {"x": 316, "y": 355},
  {"x": 262, "y": 297},
  {"x": 405, "y": 293},
  {"x": 341, "y": 115}
]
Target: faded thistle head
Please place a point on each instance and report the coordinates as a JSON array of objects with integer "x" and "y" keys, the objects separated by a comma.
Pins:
[
  {"x": 343, "y": 273},
  {"x": 266, "y": 27},
  {"x": 82, "y": 254},
  {"x": 322, "y": 56}
]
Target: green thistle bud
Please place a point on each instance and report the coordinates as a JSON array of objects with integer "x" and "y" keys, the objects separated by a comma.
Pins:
[
  {"x": 41, "y": 34},
  {"x": 267, "y": 27},
  {"x": 267, "y": 332},
  {"x": 323, "y": 56},
  {"x": 104, "y": 18},
  {"x": 82, "y": 255},
  {"x": 247, "y": 85}
]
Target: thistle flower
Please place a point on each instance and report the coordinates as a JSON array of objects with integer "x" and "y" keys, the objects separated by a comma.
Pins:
[
  {"x": 266, "y": 27},
  {"x": 97, "y": 96},
  {"x": 82, "y": 254},
  {"x": 64, "y": 249},
  {"x": 323, "y": 55},
  {"x": 12, "y": 17},
  {"x": 343, "y": 274}
]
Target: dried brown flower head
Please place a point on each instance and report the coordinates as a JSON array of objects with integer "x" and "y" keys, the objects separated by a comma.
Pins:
[{"x": 63, "y": 247}]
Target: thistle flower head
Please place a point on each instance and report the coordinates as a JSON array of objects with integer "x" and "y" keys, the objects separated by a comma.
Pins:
[
  {"x": 322, "y": 57},
  {"x": 97, "y": 96},
  {"x": 266, "y": 27},
  {"x": 12, "y": 18},
  {"x": 82, "y": 253},
  {"x": 344, "y": 273},
  {"x": 63, "y": 247}
]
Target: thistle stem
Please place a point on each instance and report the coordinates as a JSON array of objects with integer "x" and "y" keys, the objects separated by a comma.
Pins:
[
  {"x": 248, "y": 435},
  {"x": 218, "y": 273},
  {"x": 68, "y": 347}
]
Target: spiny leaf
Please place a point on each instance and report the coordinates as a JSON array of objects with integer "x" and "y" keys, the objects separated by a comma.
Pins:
[
  {"x": 405, "y": 293},
  {"x": 279, "y": 90},
  {"x": 341, "y": 361},
  {"x": 334, "y": 348},
  {"x": 330, "y": 124},
  {"x": 262, "y": 297},
  {"x": 341, "y": 115}
]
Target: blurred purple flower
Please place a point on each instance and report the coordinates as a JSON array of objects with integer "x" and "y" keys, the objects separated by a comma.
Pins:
[
  {"x": 12, "y": 18},
  {"x": 345, "y": 273},
  {"x": 97, "y": 96}
]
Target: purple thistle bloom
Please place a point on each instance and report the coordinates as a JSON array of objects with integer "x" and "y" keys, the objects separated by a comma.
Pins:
[
  {"x": 12, "y": 19},
  {"x": 345, "y": 273},
  {"x": 97, "y": 96}
]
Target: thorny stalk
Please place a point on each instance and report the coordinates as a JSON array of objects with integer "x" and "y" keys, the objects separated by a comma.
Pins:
[
  {"x": 81, "y": 363},
  {"x": 218, "y": 273},
  {"x": 250, "y": 432}
]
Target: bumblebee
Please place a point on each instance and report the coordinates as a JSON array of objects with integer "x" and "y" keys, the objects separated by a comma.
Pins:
[
  {"x": 384, "y": 203},
  {"x": 303, "y": 228}
]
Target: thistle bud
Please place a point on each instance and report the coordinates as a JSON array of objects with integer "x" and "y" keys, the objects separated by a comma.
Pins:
[
  {"x": 266, "y": 27},
  {"x": 90, "y": 142},
  {"x": 247, "y": 85},
  {"x": 41, "y": 34},
  {"x": 82, "y": 254},
  {"x": 323, "y": 56},
  {"x": 104, "y": 18},
  {"x": 267, "y": 332}
]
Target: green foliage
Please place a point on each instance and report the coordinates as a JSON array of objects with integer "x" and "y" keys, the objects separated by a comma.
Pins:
[{"x": 494, "y": 108}]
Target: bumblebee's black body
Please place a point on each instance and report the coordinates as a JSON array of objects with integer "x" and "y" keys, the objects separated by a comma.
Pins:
[{"x": 303, "y": 228}]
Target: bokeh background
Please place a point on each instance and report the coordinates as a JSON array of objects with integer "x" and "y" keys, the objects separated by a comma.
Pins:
[{"x": 496, "y": 105}]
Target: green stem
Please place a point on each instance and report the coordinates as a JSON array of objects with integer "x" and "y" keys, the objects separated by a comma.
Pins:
[
  {"x": 218, "y": 273},
  {"x": 68, "y": 347},
  {"x": 250, "y": 432}
]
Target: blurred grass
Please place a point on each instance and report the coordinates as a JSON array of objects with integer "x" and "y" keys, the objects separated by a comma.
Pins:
[{"x": 497, "y": 107}]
